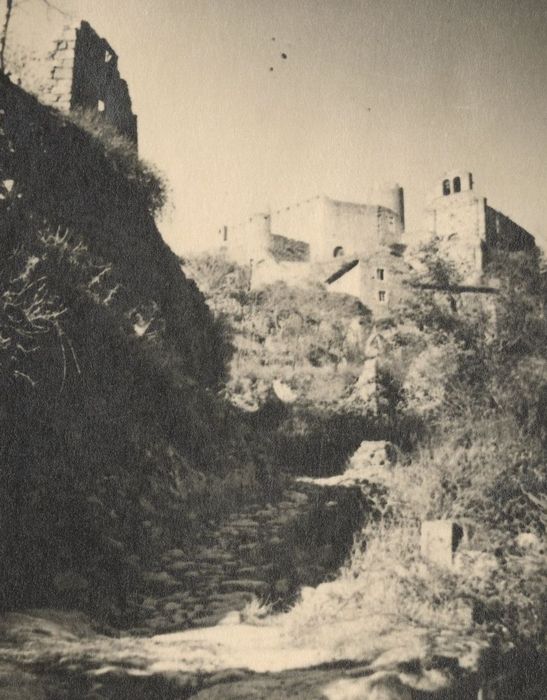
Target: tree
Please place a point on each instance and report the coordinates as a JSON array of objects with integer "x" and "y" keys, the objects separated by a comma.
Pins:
[
  {"x": 4, "y": 34},
  {"x": 11, "y": 5}
]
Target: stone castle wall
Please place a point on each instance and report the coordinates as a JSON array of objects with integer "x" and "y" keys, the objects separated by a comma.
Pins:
[
  {"x": 83, "y": 74},
  {"x": 503, "y": 233},
  {"x": 331, "y": 228}
]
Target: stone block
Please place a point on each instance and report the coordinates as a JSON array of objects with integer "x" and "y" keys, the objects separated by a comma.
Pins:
[
  {"x": 374, "y": 452},
  {"x": 439, "y": 541},
  {"x": 159, "y": 581},
  {"x": 245, "y": 586}
]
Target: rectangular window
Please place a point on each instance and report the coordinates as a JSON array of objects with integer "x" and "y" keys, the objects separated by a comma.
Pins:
[
  {"x": 381, "y": 296},
  {"x": 225, "y": 233},
  {"x": 100, "y": 106},
  {"x": 380, "y": 274}
]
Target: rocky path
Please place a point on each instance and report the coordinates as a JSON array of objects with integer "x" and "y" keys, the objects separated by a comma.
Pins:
[
  {"x": 218, "y": 651},
  {"x": 263, "y": 552}
]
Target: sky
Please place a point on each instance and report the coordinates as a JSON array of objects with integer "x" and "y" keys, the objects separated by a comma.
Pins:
[{"x": 370, "y": 91}]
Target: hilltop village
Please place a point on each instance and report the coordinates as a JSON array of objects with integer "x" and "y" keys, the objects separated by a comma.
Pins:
[
  {"x": 294, "y": 452},
  {"x": 362, "y": 249}
]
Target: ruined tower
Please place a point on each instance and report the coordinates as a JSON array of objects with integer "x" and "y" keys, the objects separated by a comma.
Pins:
[{"x": 84, "y": 75}]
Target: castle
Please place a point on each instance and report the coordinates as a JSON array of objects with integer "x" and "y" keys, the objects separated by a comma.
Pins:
[{"x": 364, "y": 250}]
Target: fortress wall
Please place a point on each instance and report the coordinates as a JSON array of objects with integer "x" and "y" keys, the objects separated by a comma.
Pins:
[
  {"x": 358, "y": 228},
  {"x": 505, "y": 234},
  {"x": 301, "y": 222},
  {"x": 326, "y": 224},
  {"x": 83, "y": 74},
  {"x": 248, "y": 240}
]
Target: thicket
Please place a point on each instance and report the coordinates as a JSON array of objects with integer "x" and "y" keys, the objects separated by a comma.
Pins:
[
  {"x": 481, "y": 390},
  {"x": 482, "y": 463},
  {"x": 115, "y": 444},
  {"x": 303, "y": 342}
]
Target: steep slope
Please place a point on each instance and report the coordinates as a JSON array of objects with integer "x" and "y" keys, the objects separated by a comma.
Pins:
[{"x": 114, "y": 444}]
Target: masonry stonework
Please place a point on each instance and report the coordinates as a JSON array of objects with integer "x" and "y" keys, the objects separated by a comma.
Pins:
[
  {"x": 84, "y": 75},
  {"x": 363, "y": 249},
  {"x": 468, "y": 229},
  {"x": 329, "y": 227}
]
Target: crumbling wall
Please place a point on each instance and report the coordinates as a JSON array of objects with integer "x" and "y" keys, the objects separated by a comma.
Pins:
[
  {"x": 84, "y": 75},
  {"x": 503, "y": 233}
]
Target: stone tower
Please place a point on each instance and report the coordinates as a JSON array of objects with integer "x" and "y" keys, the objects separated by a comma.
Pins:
[
  {"x": 84, "y": 75},
  {"x": 390, "y": 196}
]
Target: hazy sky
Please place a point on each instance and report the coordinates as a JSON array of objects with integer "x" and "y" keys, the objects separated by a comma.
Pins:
[{"x": 371, "y": 90}]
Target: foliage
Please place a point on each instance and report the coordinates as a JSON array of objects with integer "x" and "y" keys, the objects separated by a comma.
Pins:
[
  {"x": 304, "y": 340},
  {"x": 150, "y": 187},
  {"x": 303, "y": 336},
  {"x": 477, "y": 372},
  {"x": 115, "y": 441},
  {"x": 65, "y": 179}
]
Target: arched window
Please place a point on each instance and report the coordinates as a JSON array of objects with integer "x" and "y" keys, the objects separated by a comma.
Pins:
[
  {"x": 457, "y": 184},
  {"x": 446, "y": 187},
  {"x": 338, "y": 252}
]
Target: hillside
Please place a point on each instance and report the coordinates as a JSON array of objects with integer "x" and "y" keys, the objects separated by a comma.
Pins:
[
  {"x": 114, "y": 440},
  {"x": 297, "y": 366}
]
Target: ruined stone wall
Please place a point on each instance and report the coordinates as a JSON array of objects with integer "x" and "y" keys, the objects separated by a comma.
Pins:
[
  {"x": 503, "y": 233},
  {"x": 83, "y": 74}
]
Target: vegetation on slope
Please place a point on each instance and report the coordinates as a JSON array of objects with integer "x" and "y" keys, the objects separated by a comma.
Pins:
[
  {"x": 115, "y": 445},
  {"x": 481, "y": 464},
  {"x": 298, "y": 354}
]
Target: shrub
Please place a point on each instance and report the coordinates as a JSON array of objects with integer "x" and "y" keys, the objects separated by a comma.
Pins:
[{"x": 150, "y": 187}]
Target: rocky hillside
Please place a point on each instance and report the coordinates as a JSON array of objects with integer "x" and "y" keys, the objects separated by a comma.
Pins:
[{"x": 114, "y": 441}]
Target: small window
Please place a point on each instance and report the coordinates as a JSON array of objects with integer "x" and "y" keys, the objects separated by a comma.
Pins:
[
  {"x": 338, "y": 252},
  {"x": 381, "y": 296},
  {"x": 380, "y": 274},
  {"x": 446, "y": 187},
  {"x": 457, "y": 184},
  {"x": 225, "y": 233},
  {"x": 100, "y": 106}
]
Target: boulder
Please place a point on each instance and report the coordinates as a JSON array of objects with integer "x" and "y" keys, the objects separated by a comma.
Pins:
[{"x": 439, "y": 541}]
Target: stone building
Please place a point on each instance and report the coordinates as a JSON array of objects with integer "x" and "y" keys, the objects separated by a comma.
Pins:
[
  {"x": 377, "y": 279},
  {"x": 83, "y": 74},
  {"x": 329, "y": 228},
  {"x": 467, "y": 229},
  {"x": 363, "y": 249}
]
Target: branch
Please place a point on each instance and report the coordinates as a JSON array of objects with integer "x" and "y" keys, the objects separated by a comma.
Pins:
[{"x": 51, "y": 6}]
